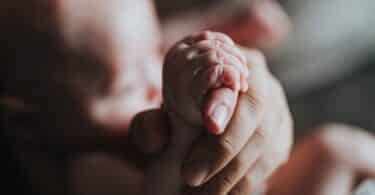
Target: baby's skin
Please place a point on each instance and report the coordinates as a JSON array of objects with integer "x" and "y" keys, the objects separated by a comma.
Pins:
[{"x": 202, "y": 77}]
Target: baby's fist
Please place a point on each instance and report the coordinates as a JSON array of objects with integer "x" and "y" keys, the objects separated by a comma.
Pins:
[{"x": 203, "y": 75}]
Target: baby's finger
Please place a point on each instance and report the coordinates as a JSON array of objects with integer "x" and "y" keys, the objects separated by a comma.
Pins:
[
  {"x": 234, "y": 51},
  {"x": 241, "y": 68},
  {"x": 207, "y": 79},
  {"x": 219, "y": 53},
  {"x": 231, "y": 52}
]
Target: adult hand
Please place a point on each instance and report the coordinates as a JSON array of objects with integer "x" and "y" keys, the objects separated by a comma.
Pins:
[
  {"x": 329, "y": 162},
  {"x": 257, "y": 140}
]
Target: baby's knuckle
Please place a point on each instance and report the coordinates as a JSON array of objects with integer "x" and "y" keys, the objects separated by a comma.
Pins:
[{"x": 212, "y": 57}]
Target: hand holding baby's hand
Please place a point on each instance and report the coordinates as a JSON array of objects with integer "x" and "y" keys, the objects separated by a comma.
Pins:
[
  {"x": 256, "y": 141},
  {"x": 200, "y": 73}
]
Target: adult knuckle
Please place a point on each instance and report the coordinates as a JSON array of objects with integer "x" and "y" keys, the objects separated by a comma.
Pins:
[
  {"x": 224, "y": 185},
  {"x": 227, "y": 147},
  {"x": 240, "y": 161},
  {"x": 244, "y": 187},
  {"x": 255, "y": 100},
  {"x": 238, "y": 191}
]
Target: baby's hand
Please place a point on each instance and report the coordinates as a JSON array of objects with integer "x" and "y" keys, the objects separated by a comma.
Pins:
[{"x": 202, "y": 77}]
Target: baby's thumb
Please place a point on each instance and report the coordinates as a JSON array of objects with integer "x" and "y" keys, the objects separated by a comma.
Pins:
[
  {"x": 219, "y": 108},
  {"x": 149, "y": 132}
]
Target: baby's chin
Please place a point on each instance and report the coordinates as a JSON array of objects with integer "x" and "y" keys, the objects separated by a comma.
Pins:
[{"x": 116, "y": 113}]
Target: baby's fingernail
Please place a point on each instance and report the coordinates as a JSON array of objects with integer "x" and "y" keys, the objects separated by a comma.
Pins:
[{"x": 219, "y": 117}]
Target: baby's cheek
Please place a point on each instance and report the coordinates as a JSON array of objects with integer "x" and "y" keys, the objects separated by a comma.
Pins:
[{"x": 115, "y": 113}]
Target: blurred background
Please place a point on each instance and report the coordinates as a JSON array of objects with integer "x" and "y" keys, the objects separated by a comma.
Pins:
[{"x": 322, "y": 51}]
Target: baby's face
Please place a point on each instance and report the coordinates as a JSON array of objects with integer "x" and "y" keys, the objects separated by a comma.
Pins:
[
  {"x": 125, "y": 35},
  {"x": 98, "y": 61},
  {"x": 108, "y": 69}
]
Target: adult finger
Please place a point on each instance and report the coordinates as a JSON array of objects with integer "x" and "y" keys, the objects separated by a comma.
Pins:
[
  {"x": 204, "y": 162},
  {"x": 245, "y": 162}
]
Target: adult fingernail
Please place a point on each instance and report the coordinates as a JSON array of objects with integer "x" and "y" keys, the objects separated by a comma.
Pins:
[{"x": 219, "y": 117}]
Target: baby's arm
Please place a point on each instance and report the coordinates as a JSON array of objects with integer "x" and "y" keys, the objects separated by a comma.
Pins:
[{"x": 203, "y": 75}]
